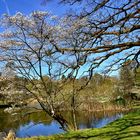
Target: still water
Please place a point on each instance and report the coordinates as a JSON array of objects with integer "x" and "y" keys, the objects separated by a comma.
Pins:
[{"x": 35, "y": 124}]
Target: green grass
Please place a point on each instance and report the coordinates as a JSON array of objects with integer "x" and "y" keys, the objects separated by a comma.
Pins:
[{"x": 126, "y": 128}]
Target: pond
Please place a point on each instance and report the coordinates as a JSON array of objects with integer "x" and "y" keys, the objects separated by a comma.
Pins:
[{"x": 35, "y": 124}]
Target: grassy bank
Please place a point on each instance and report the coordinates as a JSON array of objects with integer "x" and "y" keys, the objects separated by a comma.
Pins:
[{"x": 126, "y": 128}]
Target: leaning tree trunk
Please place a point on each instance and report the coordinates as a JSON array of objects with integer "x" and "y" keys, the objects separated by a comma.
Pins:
[
  {"x": 56, "y": 116},
  {"x": 63, "y": 122}
]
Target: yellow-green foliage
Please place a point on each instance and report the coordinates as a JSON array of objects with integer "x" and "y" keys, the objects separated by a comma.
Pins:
[{"x": 99, "y": 90}]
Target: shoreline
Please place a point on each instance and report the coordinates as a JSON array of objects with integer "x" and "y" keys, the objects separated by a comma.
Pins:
[{"x": 126, "y": 128}]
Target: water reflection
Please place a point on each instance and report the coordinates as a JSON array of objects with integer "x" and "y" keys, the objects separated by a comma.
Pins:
[
  {"x": 39, "y": 129},
  {"x": 36, "y": 124}
]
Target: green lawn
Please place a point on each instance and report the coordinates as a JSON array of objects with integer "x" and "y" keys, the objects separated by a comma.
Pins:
[{"x": 126, "y": 128}]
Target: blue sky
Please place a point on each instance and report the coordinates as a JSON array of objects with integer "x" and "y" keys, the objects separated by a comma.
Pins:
[{"x": 27, "y": 6}]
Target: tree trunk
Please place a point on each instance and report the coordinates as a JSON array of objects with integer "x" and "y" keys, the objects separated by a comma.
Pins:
[
  {"x": 73, "y": 112},
  {"x": 74, "y": 119}
]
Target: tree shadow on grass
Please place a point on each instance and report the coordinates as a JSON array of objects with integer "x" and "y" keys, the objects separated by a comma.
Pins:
[{"x": 125, "y": 128}]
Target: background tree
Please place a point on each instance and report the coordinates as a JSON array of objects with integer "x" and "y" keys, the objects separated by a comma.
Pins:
[
  {"x": 137, "y": 77},
  {"x": 8, "y": 70},
  {"x": 126, "y": 79}
]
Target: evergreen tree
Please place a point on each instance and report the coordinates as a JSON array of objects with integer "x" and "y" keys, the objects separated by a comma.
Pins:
[
  {"x": 137, "y": 77},
  {"x": 126, "y": 79}
]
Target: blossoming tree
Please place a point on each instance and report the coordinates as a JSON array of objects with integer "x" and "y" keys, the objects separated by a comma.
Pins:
[{"x": 105, "y": 34}]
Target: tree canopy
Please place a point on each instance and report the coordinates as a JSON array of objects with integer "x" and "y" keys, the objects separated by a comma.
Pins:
[
  {"x": 104, "y": 32},
  {"x": 108, "y": 29}
]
